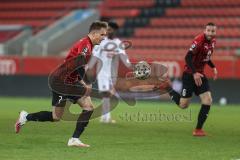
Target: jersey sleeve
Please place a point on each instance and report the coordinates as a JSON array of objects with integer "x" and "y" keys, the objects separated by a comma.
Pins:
[
  {"x": 78, "y": 49},
  {"x": 121, "y": 47},
  {"x": 195, "y": 45},
  {"x": 96, "y": 51},
  {"x": 82, "y": 49},
  {"x": 213, "y": 46},
  {"x": 214, "y": 43},
  {"x": 123, "y": 56}
]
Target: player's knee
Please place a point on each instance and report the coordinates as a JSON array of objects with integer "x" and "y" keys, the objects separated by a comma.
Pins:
[
  {"x": 184, "y": 105},
  {"x": 207, "y": 100},
  {"x": 88, "y": 108},
  {"x": 56, "y": 118}
]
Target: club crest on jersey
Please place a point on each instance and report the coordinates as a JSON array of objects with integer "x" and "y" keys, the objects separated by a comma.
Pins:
[
  {"x": 84, "y": 51},
  {"x": 192, "y": 47}
]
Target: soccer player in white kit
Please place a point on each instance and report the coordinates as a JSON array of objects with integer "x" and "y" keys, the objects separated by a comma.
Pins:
[{"x": 109, "y": 52}]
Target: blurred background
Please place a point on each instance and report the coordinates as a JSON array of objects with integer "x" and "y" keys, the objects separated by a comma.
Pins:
[{"x": 35, "y": 36}]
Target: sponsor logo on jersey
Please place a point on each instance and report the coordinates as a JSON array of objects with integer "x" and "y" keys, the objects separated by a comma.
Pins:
[{"x": 193, "y": 46}]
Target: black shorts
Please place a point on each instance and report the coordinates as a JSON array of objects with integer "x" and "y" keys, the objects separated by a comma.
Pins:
[
  {"x": 189, "y": 86},
  {"x": 59, "y": 100}
]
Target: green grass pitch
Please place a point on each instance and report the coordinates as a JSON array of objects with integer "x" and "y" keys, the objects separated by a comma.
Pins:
[{"x": 147, "y": 131}]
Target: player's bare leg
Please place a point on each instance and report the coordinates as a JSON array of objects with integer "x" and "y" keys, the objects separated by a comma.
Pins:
[
  {"x": 57, "y": 113},
  {"x": 180, "y": 101},
  {"x": 206, "y": 100},
  {"x": 184, "y": 103},
  {"x": 86, "y": 104},
  {"x": 106, "y": 107},
  {"x": 105, "y": 118}
]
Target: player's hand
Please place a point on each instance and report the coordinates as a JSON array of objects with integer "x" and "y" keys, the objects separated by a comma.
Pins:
[
  {"x": 88, "y": 90},
  {"x": 197, "y": 78},
  {"x": 87, "y": 87},
  {"x": 86, "y": 67},
  {"x": 215, "y": 72}
]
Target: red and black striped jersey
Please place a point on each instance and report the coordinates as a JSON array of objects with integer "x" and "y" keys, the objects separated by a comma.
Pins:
[
  {"x": 82, "y": 48},
  {"x": 202, "y": 50}
]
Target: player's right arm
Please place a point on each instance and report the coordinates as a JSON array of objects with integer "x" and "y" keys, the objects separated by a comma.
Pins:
[{"x": 189, "y": 61}]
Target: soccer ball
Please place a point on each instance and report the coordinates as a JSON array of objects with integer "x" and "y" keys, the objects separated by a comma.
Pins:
[
  {"x": 142, "y": 70},
  {"x": 223, "y": 101}
]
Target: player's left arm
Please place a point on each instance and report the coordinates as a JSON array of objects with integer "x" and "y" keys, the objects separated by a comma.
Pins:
[
  {"x": 83, "y": 54},
  {"x": 215, "y": 72},
  {"x": 95, "y": 57},
  {"x": 211, "y": 64},
  {"x": 123, "y": 56}
]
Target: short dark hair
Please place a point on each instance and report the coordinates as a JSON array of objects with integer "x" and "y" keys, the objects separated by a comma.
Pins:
[
  {"x": 113, "y": 25},
  {"x": 97, "y": 25},
  {"x": 210, "y": 24}
]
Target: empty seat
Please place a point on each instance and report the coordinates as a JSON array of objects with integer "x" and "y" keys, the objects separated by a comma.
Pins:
[
  {"x": 33, "y": 23},
  {"x": 6, "y": 35},
  {"x": 189, "y": 12},
  {"x": 184, "y": 32},
  {"x": 210, "y": 3},
  {"x": 165, "y": 53},
  {"x": 120, "y": 13},
  {"x": 36, "y": 13},
  {"x": 120, "y": 21},
  {"x": 30, "y": 14},
  {"x": 36, "y": 5},
  {"x": 172, "y": 34},
  {"x": 195, "y": 22},
  {"x": 129, "y": 3},
  {"x": 178, "y": 43}
]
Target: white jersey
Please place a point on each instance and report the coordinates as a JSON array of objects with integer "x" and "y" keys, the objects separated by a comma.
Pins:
[{"x": 107, "y": 52}]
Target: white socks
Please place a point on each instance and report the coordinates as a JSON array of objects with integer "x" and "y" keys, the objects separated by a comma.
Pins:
[{"x": 106, "y": 116}]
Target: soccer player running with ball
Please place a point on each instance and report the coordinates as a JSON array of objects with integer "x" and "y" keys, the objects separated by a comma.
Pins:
[
  {"x": 83, "y": 48},
  {"x": 194, "y": 79}
]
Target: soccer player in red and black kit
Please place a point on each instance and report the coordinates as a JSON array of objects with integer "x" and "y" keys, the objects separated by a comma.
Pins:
[
  {"x": 194, "y": 79},
  {"x": 83, "y": 47}
]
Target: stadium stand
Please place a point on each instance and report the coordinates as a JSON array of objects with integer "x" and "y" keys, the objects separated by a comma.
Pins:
[
  {"x": 37, "y": 14},
  {"x": 210, "y": 3},
  {"x": 159, "y": 26},
  {"x": 6, "y": 35},
  {"x": 168, "y": 27},
  {"x": 34, "y": 16}
]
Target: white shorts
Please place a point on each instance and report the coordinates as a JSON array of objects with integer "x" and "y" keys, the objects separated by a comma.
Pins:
[{"x": 104, "y": 84}]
